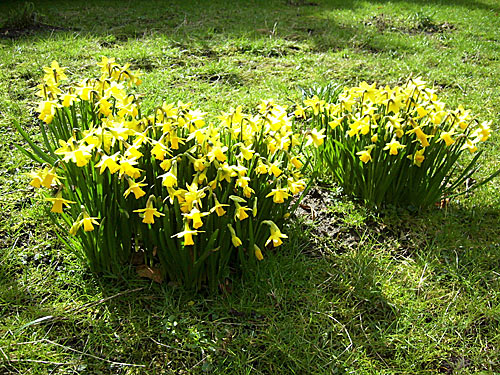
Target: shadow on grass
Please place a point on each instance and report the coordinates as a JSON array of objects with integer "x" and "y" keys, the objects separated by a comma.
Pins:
[
  {"x": 201, "y": 25},
  {"x": 326, "y": 310}
]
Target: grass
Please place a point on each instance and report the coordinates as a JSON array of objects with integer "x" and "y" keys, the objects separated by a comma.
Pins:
[{"x": 384, "y": 293}]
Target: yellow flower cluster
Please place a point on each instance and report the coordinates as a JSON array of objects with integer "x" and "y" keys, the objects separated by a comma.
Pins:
[
  {"x": 394, "y": 118},
  {"x": 200, "y": 169}
]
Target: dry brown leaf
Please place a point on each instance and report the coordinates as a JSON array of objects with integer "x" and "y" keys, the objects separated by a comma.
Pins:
[
  {"x": 152, "y": 273},
  {"x": 137, "y": 258}
]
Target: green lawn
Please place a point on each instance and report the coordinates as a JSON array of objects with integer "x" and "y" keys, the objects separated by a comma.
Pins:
[{"x": 377, "y": 293}]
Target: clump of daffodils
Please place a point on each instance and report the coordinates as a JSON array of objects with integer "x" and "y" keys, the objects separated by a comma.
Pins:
[
  {"x": 395, "y": 145},
  {"x": 197, "y": 195}
]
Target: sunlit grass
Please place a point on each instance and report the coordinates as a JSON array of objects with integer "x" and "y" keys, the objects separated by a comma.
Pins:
[{"x": 388, "y": 293}]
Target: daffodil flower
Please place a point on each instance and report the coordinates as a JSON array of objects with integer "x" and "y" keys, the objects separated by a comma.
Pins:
[
  {"x": 68, "y": 99},
  {"x": 365, "y": 155},
  {"x": 421, "y": 136},
  {"x": 217, "y": 152},
  {"x": 169, "y": 179},
  {"x": 135, "y": 187},
  {"x": 150, "y": 212},
  {"x": 47, "y": 111},
  {"x": 315, "y": 103},
  {"x": 246, "y": 152},
  {"x": 218, "y": 208},
  {"x": 109, "y": 162},
  {"x": 446, "y": 137},
  {"x": 258, "y": 252},
  {"x": 127, "y": 167},
  {"x": 240, "y": 212},
  {"x": 419, "y": 157},
  {"x": 276, "y": 234},
  {"x": 54, "y": 73},
  {"x": 393, "y": 147},
  {"x": 275, "y": 170},
  {"x": 296, "y": 162},
  {"x": 484, "y": 131},
  {"x": 234, "y": 238},
  {"x": 89, "y": 222},
  {"x": 58, "y": 203},
  {"x": 261, "y": 168},
  {"x": 279, "y": 195},
  {"x": 195, "y": 215},
  {"x": 187, "y": 233},
  {"x": 315, "y": 136},
  {"x": 299, "y": 112}
]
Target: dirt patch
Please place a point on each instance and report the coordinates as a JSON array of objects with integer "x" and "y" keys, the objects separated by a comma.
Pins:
[
  {"x": 332, "y": 221},
  {"x": 19, "y": 32},
  {"x": 417, "y": 23},
  {"x": 454, "y": 363}
]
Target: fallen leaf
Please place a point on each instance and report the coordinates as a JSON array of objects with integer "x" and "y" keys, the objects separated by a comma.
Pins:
[
  {"x": 137, "y": 258},
  {"x": 152, "y": 273}
]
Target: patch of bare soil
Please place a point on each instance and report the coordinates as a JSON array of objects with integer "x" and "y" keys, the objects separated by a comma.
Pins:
[
  {"x": 331, "y": 222},
  {"x": 416, "y": 24},
  {"x": 18, "y": 32}
]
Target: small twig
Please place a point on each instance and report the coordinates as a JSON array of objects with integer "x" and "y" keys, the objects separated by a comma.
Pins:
[
  {"x": 51, "y": 318},
  {"x": 421, "y": 281},
  {"x": 200, "y": 361},
  {"x": 5, "y": 355},
  {"x": 370, "y": 341},
  {"x": 93, "y": 356},
  {"x": 171, "y": 347},
  {"x": 102, "y": 300},
  {"x": 12, "y": 248},
  {"x": 40, "y": 361},
  {"x": 345, "y": 330},
  {"x": 28, "y": 342}
]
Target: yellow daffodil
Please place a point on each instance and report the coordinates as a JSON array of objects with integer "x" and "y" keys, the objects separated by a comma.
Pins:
[
  {"x": 234, "y": 238},
  {"x": 484, "y": 131},
  {"x": 47, "y": 110},
  {"x": 446, "y": 137},
  {"x": 296, "y": 162},
  {"x": 88, "y": 222},
  {"x": 421, "y": 136},
  {"x": 393, "y": 147},
  {"x": 169, "y": 179},
  {"x": 315, "y": 137},
  {"x": 248, "y": 191},
  {"x": 276, "y": 234},
  {"x": 470, "y": 145},
  {"x": 135, "y": 187},
  {"x": 217, "y": 152},
  {"x": 127, "y": 166},
  {"x": 257, "y": 252},
  {"x": 54, "y": 73},
  {"x": 187, "y": 234},
  {"x": 275, "y": 170},
  {"x": 68, "y": 99},
  {"x": 195, "y": 215},
  {"x": 315, "y": 103},
  {"x": 80, "y": 155},
  {"x": 218, "y": 207},
  {"x": 365, "y": 155},
  {"x": 419, "y": 157},
  {"x": 149, "y": 212},
  {"x": 240, "y": 212},
  {"x": 279, "y": 195},
  {"x": 299, "y": 112},
  {"x": 261, "y": 168},
  {"x": 109, "y": 162},
  {"x": 58, "y": 203}
]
